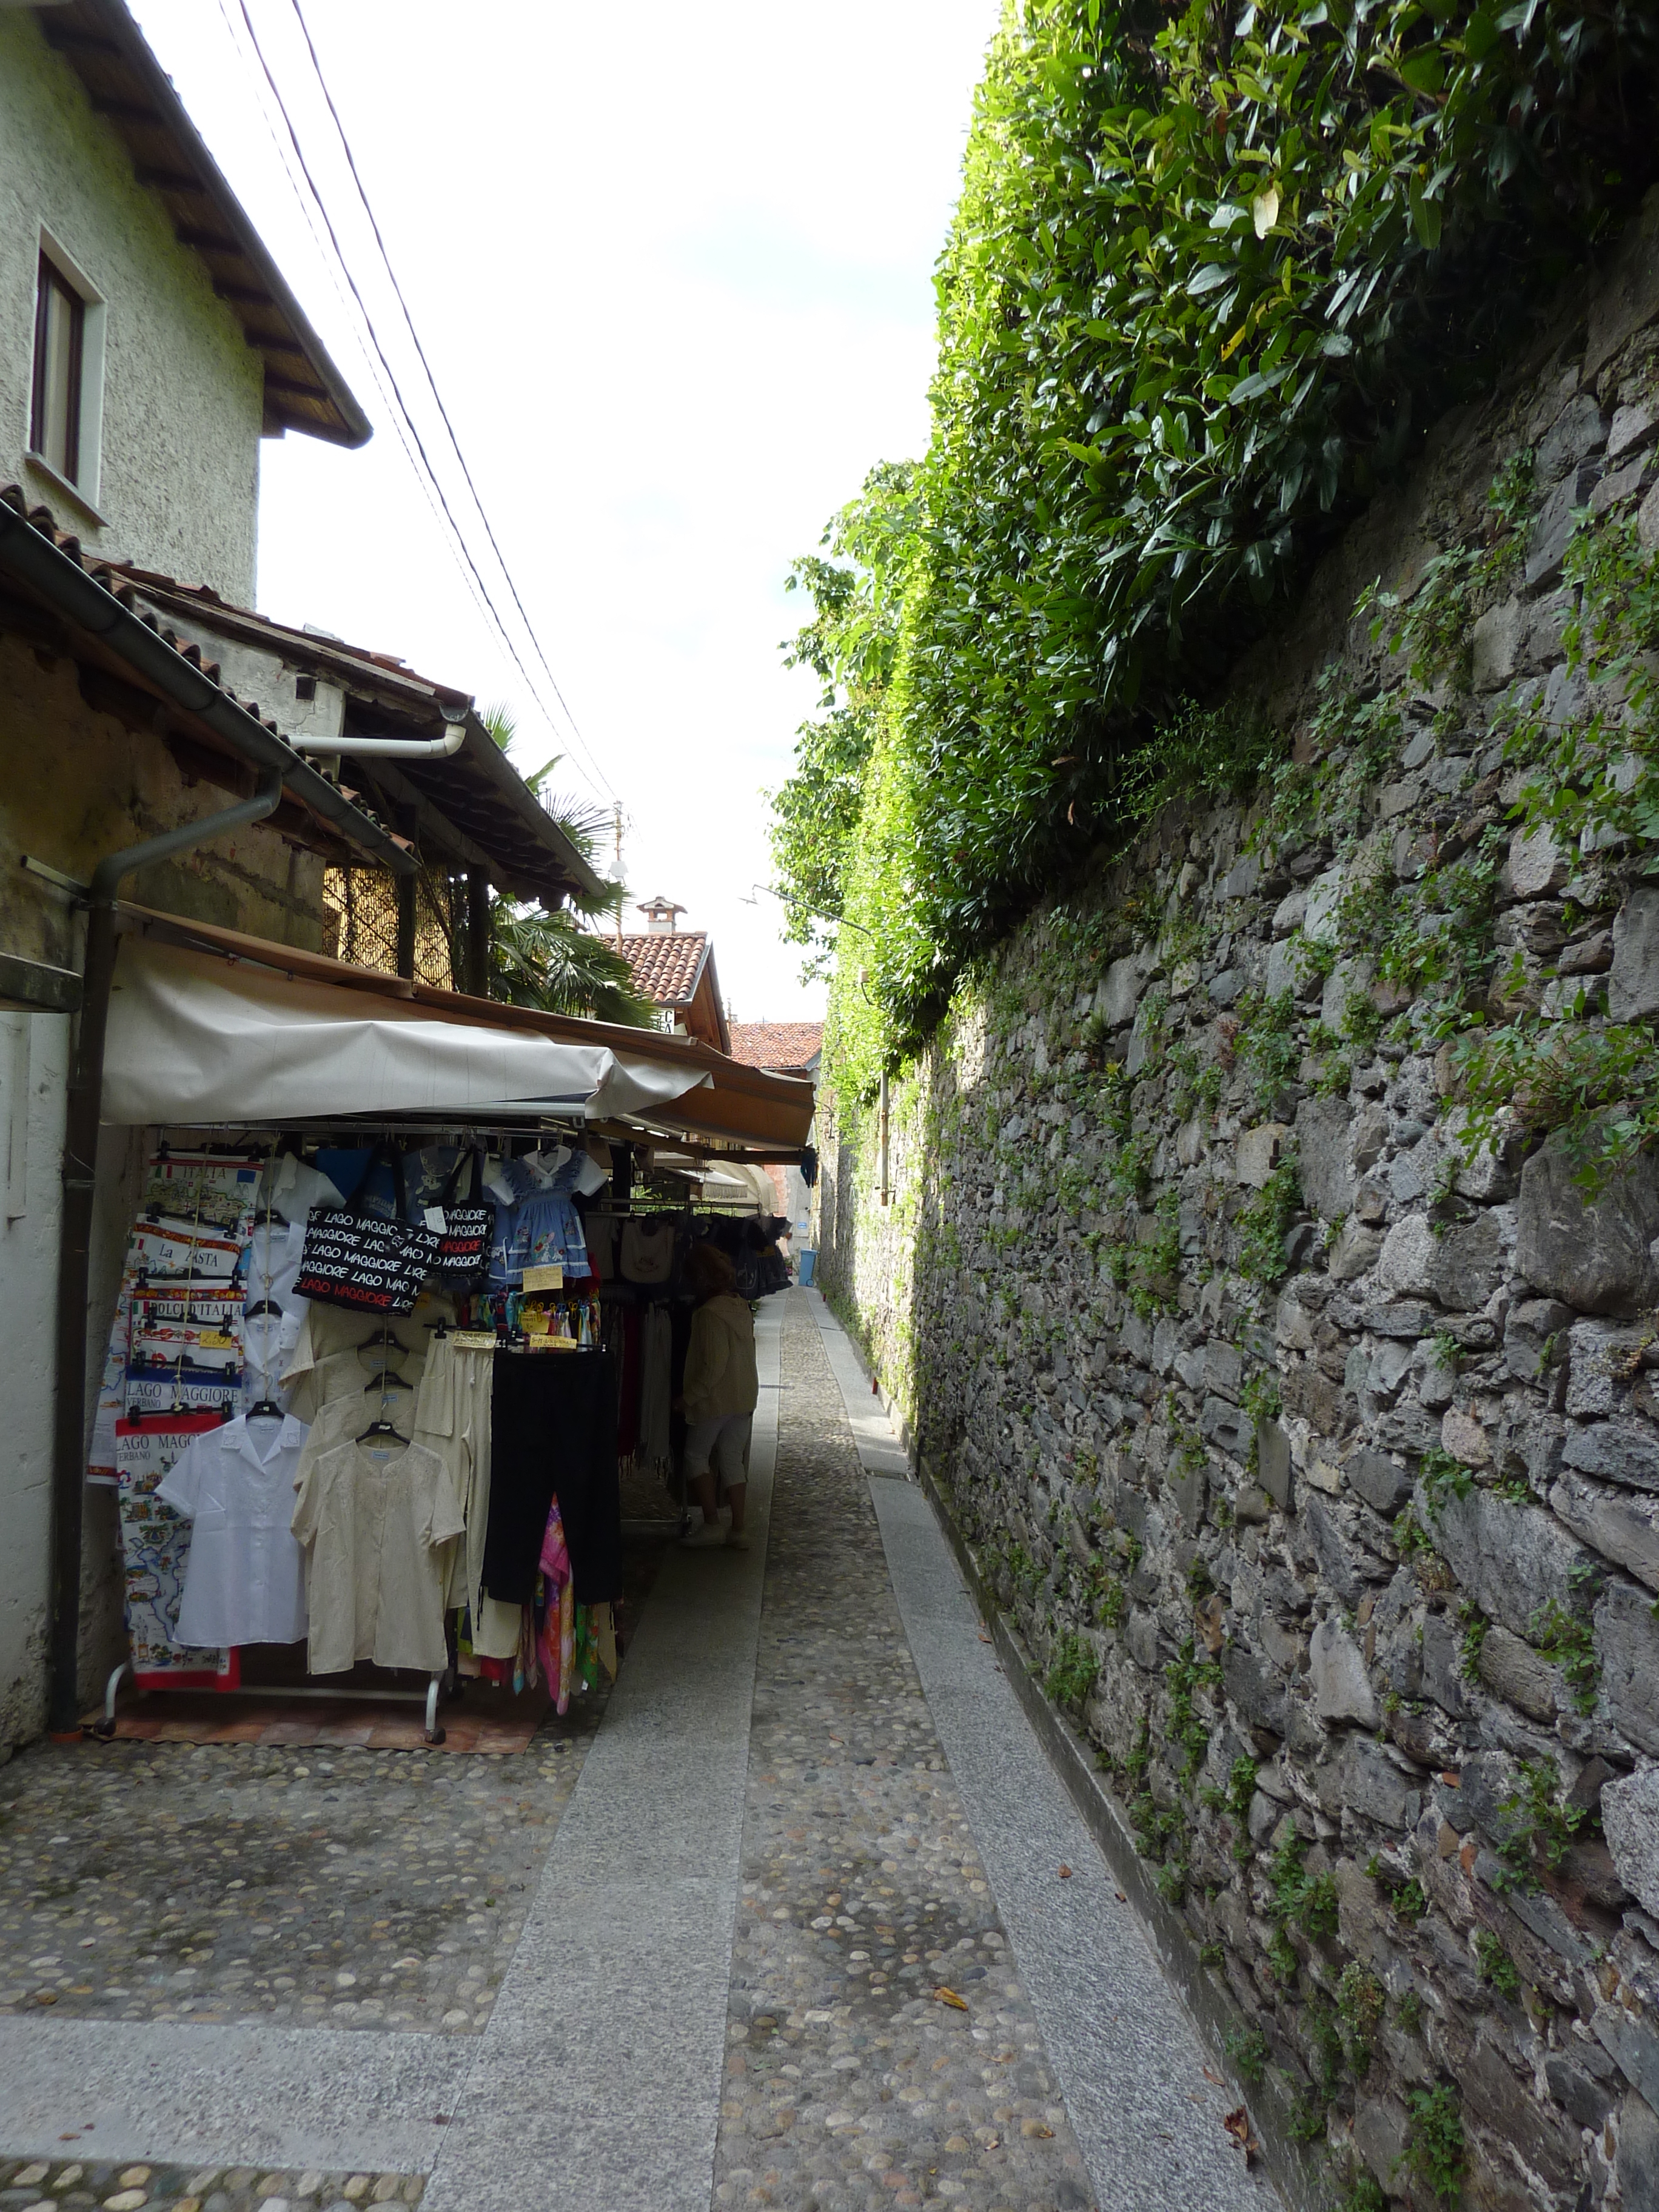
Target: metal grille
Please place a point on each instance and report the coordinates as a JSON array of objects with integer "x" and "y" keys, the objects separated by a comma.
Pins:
[{"x": 364, "y": 904}]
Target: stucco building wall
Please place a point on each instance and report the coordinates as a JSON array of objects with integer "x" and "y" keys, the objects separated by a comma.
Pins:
[
  {"x": 80, "y": 783},
  {"x": 183, "y": 391}
]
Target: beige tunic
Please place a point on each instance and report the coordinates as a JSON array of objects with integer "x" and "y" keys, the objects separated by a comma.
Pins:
[{"x": 377, "y": 1524}]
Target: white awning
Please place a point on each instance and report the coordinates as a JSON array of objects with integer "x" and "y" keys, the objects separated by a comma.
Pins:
[{"x": 196, "y": 1038}]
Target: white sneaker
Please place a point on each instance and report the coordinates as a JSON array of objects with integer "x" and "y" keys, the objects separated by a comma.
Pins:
[
  {"x": 705, "y": 1539},
  {"x": 736, "y": 1541}
]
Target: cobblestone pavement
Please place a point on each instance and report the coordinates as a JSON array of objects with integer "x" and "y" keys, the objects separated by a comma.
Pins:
[
  {"x": 228, "y": 1881},
  {"x": 46, "y": 2184},
  {"x": 850, "y": 2081}
]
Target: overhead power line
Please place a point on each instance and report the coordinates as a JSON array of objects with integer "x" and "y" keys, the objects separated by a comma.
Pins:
[
  {"x": 285, "y": 157},
  {"x": 432, "y": 384},
  {"x": 397, "y": 391}
]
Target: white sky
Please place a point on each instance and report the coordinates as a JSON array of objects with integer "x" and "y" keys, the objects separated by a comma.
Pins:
[{"x": 672, "y": 267}]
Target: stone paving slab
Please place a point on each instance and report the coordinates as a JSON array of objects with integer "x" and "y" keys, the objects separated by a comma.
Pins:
[
  {"x": 1148, "y": 2110},
  {"x": 878, "y": 1442},
  {"x": 849, "y": 2082},
  {"x": 194, "y": 2096},
  {"x": 596, "y": 2081}
]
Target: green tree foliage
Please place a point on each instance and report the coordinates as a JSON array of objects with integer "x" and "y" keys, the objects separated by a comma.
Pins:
[
  {"x": 544, "y": 957},
  {"x": 1208, "y": 279},
  {"x": 849, "y": 645}
]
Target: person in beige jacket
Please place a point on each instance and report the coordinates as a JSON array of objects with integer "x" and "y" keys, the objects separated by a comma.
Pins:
[{"x": 720, "y": 1394}]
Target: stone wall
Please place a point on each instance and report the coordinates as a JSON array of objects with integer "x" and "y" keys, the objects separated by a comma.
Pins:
[{"x": 1311, "y": 1447}]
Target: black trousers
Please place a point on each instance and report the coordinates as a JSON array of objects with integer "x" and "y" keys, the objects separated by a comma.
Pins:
[{"x": 553, "y": 1433}]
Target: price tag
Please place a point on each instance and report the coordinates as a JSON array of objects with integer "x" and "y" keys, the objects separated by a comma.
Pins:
[
  {"x": 543, "y": 1279},
  {"x": 434, "y": 1219}
]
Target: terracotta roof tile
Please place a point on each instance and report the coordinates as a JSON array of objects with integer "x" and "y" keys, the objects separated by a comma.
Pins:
[
  {"x": 776, "y": 1045},
  {"x": 667, "y": 964}
]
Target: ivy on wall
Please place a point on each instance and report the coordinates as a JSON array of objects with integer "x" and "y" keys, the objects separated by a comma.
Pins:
[{"x": 1207, "y": 280}]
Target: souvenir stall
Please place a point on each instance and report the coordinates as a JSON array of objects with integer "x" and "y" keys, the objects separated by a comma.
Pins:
[{"x": 367, "y": 1389}]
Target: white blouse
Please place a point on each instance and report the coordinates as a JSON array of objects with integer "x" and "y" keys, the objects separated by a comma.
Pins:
[{"x": 246, "y": 1582}]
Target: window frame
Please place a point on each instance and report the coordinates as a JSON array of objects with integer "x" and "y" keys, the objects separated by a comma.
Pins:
[
  {"x": 56, "y": 269},
  {"x": 51, "y": 284}
]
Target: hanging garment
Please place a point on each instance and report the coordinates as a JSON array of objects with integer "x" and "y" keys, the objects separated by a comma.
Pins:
[
  {"x": 452, "y": 1418},
  {"x": 600, "y": 1231},
  {"x": 647, "y": 1251},
  {"x": 541, "y": 1228},
  {"x": 556, "y": 1641},
  {"x": 244, "y": 1582},
  {"x": 363, "y": 1175},
  {"x": 553, "y": 1432},
  {"x": 656, "y": 1362},
  {"x": 155, "y": 1543},
  {"x": 294, "y": 1189},
  {"x": 327, "y": 1329},
  {"x": 628, "y": 1388},
  {"x": 354, "y": 1376},
  {"x": 272, "y": 1310},
  {"x": 377, "y": 1524},
  {"x": 497, "y": 1629}
]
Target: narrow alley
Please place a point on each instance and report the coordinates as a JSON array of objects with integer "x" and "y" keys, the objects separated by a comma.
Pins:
[{"x": 800, "y": 1916}]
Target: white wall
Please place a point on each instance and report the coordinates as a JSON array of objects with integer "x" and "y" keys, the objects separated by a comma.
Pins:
[{"x": 183, "y": 390}]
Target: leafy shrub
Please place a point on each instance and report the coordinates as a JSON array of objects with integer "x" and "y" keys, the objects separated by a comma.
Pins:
[
  {"x": 1209, "y": 273},
  {"x": 1434, "y": 2144},
  {"x": 1073, "y": 1671},
  {"x": 1247, "y": 2054}
]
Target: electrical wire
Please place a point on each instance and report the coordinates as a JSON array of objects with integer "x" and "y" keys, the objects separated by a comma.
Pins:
[
  {"x": 374, "y": 339},
  {"x": 432, "y": 384},
  {"x": 285, "y": 161}
]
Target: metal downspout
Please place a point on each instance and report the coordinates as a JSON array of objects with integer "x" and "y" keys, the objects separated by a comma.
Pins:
[{"x": 86, "y": 1085}]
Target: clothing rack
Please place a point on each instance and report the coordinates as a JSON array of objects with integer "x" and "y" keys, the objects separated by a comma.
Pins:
[
  {"x": 104, "y": 1729},
  {"x": 260, "y": 1147}
]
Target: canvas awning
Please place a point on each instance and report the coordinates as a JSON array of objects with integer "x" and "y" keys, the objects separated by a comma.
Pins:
[
  {"x": 208, "y": 1025},
  {"x": 193, "y": 1038}
]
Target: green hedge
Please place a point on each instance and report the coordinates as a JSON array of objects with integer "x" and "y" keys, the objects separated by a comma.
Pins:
[{"x": 1208, "y": 280}]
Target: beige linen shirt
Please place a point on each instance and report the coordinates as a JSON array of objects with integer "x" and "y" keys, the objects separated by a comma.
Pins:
[{"x": 377, "y": 1524}]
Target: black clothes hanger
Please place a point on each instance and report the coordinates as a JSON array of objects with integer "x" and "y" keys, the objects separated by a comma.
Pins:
[
  {"x": 266, "y": 1409},
  {"x": 382, "y": 1427},
  {"x": 264, "y": 1306}
]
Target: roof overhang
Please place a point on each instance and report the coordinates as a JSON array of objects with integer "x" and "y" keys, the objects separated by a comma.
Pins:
[
  {"x": 128, "y": 87},
  {"x": 697, "y": 1093},
  {"x": 472, "y": 809},
  {"x": 150, "y": 683}
]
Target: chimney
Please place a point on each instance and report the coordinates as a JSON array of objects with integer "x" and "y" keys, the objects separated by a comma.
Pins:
[{"x": 659, "y": 915}]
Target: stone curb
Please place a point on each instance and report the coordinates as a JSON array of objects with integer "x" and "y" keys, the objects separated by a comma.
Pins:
[{"x": 1305, "y": 2181}]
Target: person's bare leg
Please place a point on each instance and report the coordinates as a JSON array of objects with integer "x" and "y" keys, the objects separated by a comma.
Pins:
[
  {"x": 703, "y": 1487},
  {"x": 735, "y": 1492}
]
